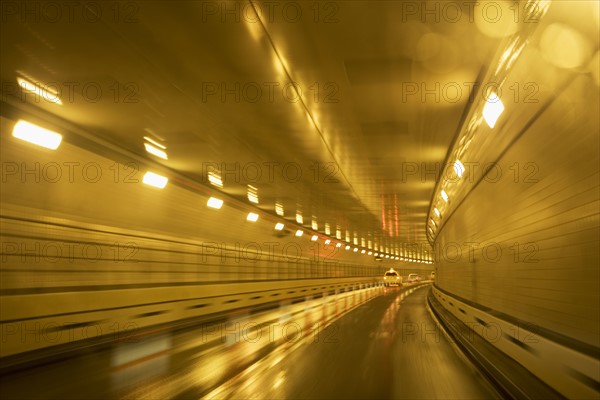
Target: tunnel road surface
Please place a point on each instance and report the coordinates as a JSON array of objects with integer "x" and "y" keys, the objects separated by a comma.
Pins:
[{"x": 388, "y": 348}]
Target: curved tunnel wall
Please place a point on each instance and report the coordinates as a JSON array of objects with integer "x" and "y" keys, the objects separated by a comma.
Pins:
[
  {"x": 84, "y": 243},
  {"x": 530, "y": 249},
  {"x": 518, "y": 238}
]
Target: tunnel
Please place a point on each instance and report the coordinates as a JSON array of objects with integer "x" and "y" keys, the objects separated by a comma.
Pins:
[{"x": 303, "y": 199}]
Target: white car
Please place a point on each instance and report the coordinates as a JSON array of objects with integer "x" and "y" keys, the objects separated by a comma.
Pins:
[{"x": 413, "y": 278}]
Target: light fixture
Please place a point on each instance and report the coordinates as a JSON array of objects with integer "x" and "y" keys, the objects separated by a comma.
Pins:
[
  {"x": 152, "y": 179},
  {"x": 299, "y": 218},
  {"x": 369, "y": 253},
  {"x": 493, "y": 109},
  {"x": 279, "y": 209},
  {"x": 155, "y": 151},
  {"x": 45, "y": 92},
  {"x": 338, "y": 245},
  {"x": 314, "y": 238},
  {"x": 154, "y": 142},
  {"x": 327, "y": 241},
  {"x": 299, "y": 233},
  {"x": 279, "y": 226},
  {"x": 459, "y": 168},
  {"x": 213, "y": 202},
  {"x": 437, "y": 212},
  {"x": 444, "y": 196},
  {"x": 253, "y": 194},
  {"x": 215, "y": 179},
  {"x": 252, "y": 217},
  {"x": 363, "y": 251},
  {"x": 355, "y": 249},
  {"x": 347, "y": 247},
  {"x": 37, "y": 135}
]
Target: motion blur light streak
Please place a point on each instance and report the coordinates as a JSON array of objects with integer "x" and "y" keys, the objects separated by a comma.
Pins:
[
  {"x": 37, "y": 135},
  {"x": 333, "y": 130},
  {"x": 46, "y": 92},
  {"x": 157, "y": 152},
  {"x": 444, "y": 196}
]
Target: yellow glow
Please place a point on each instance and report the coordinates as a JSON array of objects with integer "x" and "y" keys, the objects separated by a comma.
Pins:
[
  {"x": 215, "y": 179},
  {"x": 338, "y": 245},
  {"x": 154, "y": 142},
  {"x": 327, "y": 241},
  {"x": 355, "y": 249},
  {"x": 279, "y": 209},
  {"x": 564, "y": 46},
  {"x": 37, "y": 135},
  {"x": 314, "y": 225},
  {"x": 496, "y": 18},
  {"x": 437, "y": 212},
  {"x": 213, "y": 202},
  {"x": 299, "y": 218},
  {"x": 363, "y": 251},
  {"x": 45, "y": 92},
  {"x": 279, "y": 226},
  {"x": 444, "y": 196},
  {"x": 347, "y": 247},
  {"x": 253, "y": 194},
  {"x": 252, "y": 217},
  {"x": 299, "y": 233},
  {"x": 314, "y": 238},
  {"x": 327, "y": 229},
  {"x": 152, "y": 179},
  {"x": 369, "y": 253},
  {"x": 155, "y": 151},
  {"x": 459, "y": 168},
  {"x": 493, "y": 109}
]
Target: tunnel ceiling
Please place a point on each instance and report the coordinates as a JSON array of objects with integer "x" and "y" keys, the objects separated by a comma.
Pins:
[{"x": 362, "y": 124}]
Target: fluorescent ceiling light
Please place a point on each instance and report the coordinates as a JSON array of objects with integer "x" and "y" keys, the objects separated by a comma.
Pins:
[
  {"x": 215, "y": 179},
  {"x": 152, "y": 179},
  {"x": 314, "y": 238},
  {"x": 154, "y": 142},
  {"x": 213, "y": 202},
  {"x": 252, "y": 217},
  {"x": 299, "y": 233},
  {"x": 493, "y": 109},
  {"x": 37, "y": 135},
  {"x": 279, "y": 226},
  {"x": 45, "y": 92},
  {"x": 155, "y": 151},
  {"x": 444, "y": 196}
]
